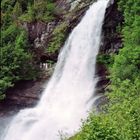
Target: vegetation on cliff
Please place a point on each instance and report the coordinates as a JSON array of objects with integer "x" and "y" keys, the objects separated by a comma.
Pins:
[
  {"x": 39, "y": 29},
  {"x": 120, "y": 119},
  {"x": 16, "y": 57},
  {"x": 58, "y": 37}
]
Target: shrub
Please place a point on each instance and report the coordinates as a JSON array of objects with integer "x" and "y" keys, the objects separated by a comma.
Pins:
[{"x": 58, "y": 38}]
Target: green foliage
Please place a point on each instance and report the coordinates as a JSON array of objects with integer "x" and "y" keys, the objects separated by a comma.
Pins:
[
  {"x": 16, "y": 61},
  {"x": 39, "y": 10},
  {"x": 58, "y": 38},
  {"x": 126, "y": 64},
  {"x": 98, "y": 128},
  {"x": 17, "y": 11},
  {"x": 29, "y": 16},
  {"x": 106, "y": 59},
  {"x": 29, "y": 10}
]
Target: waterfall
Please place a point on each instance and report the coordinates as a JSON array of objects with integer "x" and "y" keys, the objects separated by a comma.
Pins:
[{"x": 69, "y": 95}]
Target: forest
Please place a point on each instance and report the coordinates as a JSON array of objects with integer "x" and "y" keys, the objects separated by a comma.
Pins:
[
  {"x": 17, "y": 59},
  {"x": 120, "y": 117}
]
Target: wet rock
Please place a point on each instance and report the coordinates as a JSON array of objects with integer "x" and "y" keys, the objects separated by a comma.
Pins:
[
  {"x": 102, "y": 100},
  {"x": 23, "y": 94},
  {"x": 112, "y": 40},
  {"x": 111, "y": 44}
]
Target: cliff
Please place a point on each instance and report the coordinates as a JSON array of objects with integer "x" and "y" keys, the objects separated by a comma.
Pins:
[
  {"x": 110, "y": 45},
  {"x": 46, "y": 40}
]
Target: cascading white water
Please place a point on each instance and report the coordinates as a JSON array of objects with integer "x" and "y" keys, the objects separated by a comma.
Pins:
[{"x": 69, "y": 94}]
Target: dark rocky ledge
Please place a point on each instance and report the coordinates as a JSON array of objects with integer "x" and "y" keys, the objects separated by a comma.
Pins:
[{"x": 23, "y": 94}]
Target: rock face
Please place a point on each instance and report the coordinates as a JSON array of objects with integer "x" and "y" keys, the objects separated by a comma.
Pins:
[
  {"x": 40, "y": 33},
  {"x": 111, "y": 43},
  {"x": 23, "y": 94},
  {"x": 112, "y": 40},
  {"x": 27, "y": 93}
]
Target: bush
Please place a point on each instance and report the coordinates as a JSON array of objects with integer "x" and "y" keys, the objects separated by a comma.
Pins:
[
  {"x": 106, "y": 59},
  {"x": 42, "y": 10},
  {"x": 58, "y": 38}
]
